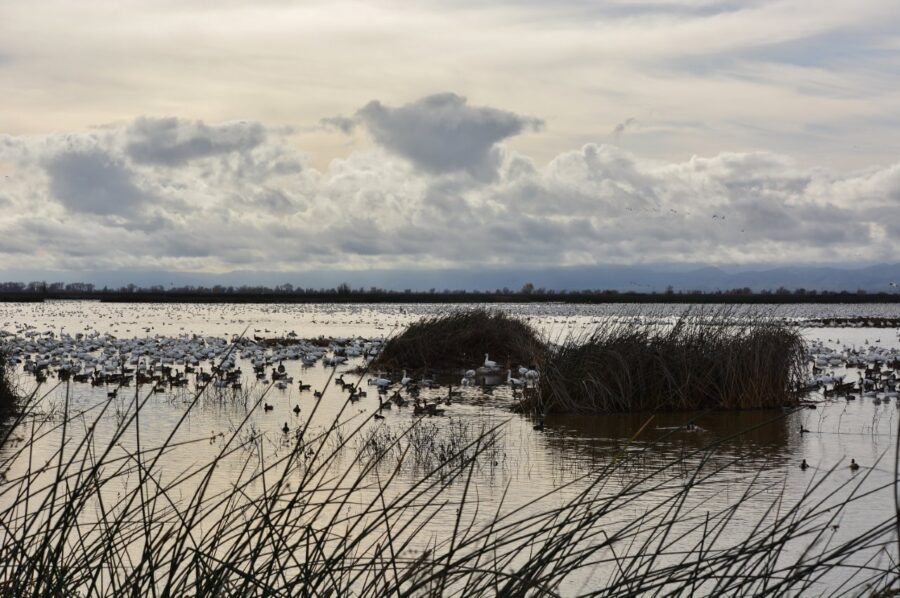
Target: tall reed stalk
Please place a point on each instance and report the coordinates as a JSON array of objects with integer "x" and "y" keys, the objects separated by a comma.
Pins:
[{"x": 107, "y": 518}]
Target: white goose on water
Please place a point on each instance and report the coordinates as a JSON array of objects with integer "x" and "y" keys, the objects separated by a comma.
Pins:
[
  {"x": 513, "y": 381},
  {"x": 468, "y": 378},
  {"x": 491, "y": 365},
  {"x": 379, "y": 381}
]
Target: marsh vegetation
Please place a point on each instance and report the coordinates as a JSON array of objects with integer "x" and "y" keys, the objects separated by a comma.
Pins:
[
  {"x": 699, "y": 361},
  {"x": 461, "y": 339}
]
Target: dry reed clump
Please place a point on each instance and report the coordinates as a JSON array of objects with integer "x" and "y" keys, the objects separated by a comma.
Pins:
[
  {"x": 7, "y": 394},
  {"x": 427, "y": 445},
  {"x": 460, "y": 339},
  {"x": 700, "y": 362}
]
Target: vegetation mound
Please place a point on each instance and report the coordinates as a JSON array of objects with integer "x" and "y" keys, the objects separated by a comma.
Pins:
[
  {"x": 460, "y": 339},
  {"x": 697, "y": 363}
]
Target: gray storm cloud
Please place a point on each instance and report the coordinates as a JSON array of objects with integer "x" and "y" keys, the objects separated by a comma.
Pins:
[
  {"x": 243, "y": 199},
  {"x": 442, "y": 133},
  {"x": 173, "y": 142},
  {"x": 91, "y": 181}
]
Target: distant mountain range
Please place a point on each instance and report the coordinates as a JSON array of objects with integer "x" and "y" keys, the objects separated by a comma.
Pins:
[{"x": 622, "y": 278}]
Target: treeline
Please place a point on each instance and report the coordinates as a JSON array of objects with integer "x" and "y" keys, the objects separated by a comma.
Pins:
[{"x": 344, "y": 293}]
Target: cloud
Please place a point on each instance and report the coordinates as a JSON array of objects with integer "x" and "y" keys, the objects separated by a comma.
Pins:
[
  {"x": 442, "y": 133},
  {"x": 174, "y": 142},
  {"x": 80, "y": 200},
  {"x": 341, "y": 123},
  {"x": 623, "y": 126},
  {"x": 93, "y": 182}
]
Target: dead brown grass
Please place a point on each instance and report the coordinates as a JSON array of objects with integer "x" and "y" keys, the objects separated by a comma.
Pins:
[{"x": 699, "y": 362}]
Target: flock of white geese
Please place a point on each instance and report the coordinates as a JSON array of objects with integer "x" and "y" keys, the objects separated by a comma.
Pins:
[
  {"x": 167, "y": 362},
  {"x": 866, "y": 371}
]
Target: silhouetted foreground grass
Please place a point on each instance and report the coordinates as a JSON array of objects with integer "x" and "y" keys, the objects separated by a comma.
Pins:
[
  {"x": 96, "y": 517},
  {"x": 700, "y": 362}
]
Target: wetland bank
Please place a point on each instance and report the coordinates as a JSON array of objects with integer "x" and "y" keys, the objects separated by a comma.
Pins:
[{"x": 195, "y": 487}]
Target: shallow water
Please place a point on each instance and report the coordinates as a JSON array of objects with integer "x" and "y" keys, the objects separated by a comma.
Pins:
[{"x": 526, "y": 463}]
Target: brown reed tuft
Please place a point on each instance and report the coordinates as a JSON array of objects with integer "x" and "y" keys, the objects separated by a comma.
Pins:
[{"x": 700, "y": 361}]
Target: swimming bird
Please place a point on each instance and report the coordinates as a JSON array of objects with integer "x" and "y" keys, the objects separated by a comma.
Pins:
[
  {"x": 405, "y": 379},
  {"x": 513, "y": 381},
  {"x": 379, "y": 416},
  {"x": 379, "y": 382},
  {"x": 267, "y": 407},
  {"x": 803, "y": 430},
  {"x": 853, "y": 465},
  {"x": 804, "y": 465},
  {"x": 539, "y": 426},
  {"x": 491, "y": 365},
  {"x": 296, "y": 409},
  {"x": 285, "y": 428}
]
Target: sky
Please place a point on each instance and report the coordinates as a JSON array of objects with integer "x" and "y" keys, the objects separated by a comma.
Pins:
[{"x": 213, "y": 136}]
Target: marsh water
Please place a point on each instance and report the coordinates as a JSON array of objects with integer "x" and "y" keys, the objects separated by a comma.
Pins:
[{"x": 759, "y": 449}]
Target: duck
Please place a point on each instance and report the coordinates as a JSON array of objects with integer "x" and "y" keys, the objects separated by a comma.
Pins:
[
  {"x": 379, "y": 416},
  {"x": 803, "y": 430},
  {"x": 804, "y": 465},
  {"x": 853, "y": 465},
  {"x": 285, "y": 428},
  {"x": 296, "y": 409},
  {"x": 539, "y": 426},
  {"x": 267, "y": 407}
]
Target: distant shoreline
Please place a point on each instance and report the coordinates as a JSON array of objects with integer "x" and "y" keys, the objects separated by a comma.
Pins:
[{"x": 356, "y": 297}]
